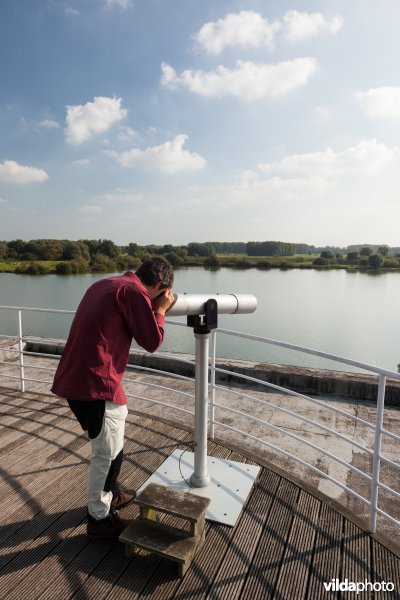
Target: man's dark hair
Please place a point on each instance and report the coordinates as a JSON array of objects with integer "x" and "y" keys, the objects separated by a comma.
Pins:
[{"x": 156, "y": 270}]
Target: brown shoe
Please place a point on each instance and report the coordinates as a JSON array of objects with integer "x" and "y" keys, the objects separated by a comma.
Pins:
[
  {"x": 110, "y": 527},
  {"x": 123, "y": 499}
]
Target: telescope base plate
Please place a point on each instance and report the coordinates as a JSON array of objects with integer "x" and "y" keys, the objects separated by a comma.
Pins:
[{"x": 230, "y": 486}]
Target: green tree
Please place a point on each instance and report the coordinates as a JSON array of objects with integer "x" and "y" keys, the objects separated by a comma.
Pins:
[
  {"x": 174, "y": 259},
  {"x": 102, "y": 263},
  {"x": 366, "y": 251},
  {"x": 384, "y": 250},
  {"x": 352, "y": 257},
  {"x": 108, "y": 248},
  {"x": 15, "y": 248},
  {"x": 212, "y": 261},
  {"x": 321, "y": 261},
  {"x": 182, "y": 252},
  {"x": 63, "y": 268},
  {"x": 35, "y": 268},
  {"x": 125, "y": 263},
  {"x": 72, "y": 250},
  {"x": 133, "y": 249},
  {"x": 391, "y": 263},
  {"x": 375, "y": 261}
]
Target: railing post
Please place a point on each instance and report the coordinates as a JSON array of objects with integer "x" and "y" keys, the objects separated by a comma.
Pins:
[
  {"x": 377, "y": 452},
  {"x": 200, "y": 477},
  {"x": 21, "y": 352},
  {"x": 212, "y": 382}
]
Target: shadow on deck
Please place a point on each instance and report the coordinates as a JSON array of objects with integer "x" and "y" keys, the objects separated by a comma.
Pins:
[{"x": 285, "y": 545}]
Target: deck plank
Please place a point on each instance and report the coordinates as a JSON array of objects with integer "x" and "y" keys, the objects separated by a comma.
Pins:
[
  {"x": 357, "y": 566},
  {"x": 285, "y": 545},
  {"x": 327, "y": 553}
]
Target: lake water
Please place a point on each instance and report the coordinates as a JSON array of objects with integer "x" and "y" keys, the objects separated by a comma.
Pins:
[{"x": 349, "y": 314}]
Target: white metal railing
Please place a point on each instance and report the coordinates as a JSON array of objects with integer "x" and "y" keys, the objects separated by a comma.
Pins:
[{"x": 375, "y": 453}]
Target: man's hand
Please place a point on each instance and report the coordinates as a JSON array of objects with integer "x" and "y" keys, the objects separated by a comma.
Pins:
[{"x": 163, "y": 302}]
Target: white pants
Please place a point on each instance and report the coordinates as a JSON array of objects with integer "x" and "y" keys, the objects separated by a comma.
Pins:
[{"x": 105, "y": 447}]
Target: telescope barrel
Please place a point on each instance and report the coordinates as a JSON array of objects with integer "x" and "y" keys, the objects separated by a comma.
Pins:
[{"x": 228, "y": 304}]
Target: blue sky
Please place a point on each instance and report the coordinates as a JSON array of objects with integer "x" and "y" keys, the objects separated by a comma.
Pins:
[{"x": 168, "y": 122}]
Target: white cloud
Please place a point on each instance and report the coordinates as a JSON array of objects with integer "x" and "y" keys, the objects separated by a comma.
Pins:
[
  {"x": 49, "y": 124},
  {"x": 355, "y": 176},
  {"x": 381, "y": 102},
  {"x": 365, "y": 157},
  {"x": 126, "y": 134},
  {"x": 117, "y": 3},
  {"x": 249, "y": 29},
  {"x": 72, "y": 11},
  {"x": 247, "y": 80},
  {"x": 121, "y": 197},
  {"x": 3, "y": 200},
  {"x": 301, "y": 25},
  {"x": 91, "y": 209},
  {"x": 12, "y": 172},
  {"x": 81, "y": 162},
  {"x": 246, "y": 29},
  {"x": 169, "y": 157},
  {"x": 91, "y": 118}
]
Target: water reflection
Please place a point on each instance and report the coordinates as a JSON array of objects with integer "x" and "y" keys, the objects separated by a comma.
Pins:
[{"x": 350, "y": 314}]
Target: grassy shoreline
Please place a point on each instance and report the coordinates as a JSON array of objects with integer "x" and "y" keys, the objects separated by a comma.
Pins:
[{"x": 242, "y": 262}]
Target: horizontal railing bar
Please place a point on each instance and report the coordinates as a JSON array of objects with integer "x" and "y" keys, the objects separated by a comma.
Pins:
[
  {"x": 297, "y": 459},
  {"x": 300, "y": 417},
  {"x": 160, "y": 372},
  {"x": 173, "y": 356},
  {"x": 389, "y": 490},
  {"x": 155, "y": 385},
  {"x": 388, "y": 517},
  {"x": 25, "y": 378},
  {"x": 29, "y": 366},
  {"x": 298, "y": 395},
  {"x": 310, "y": 351},
  {"x": 391, "y": 435},
  {"x": 41, "y": 338},
  {"x": 172, "y": 322},
  {"x": 270, "y": 341},
  {"x": 15, "y": 350},
  {"x": 299, "y": 439},
  {"x": 41, "y": 354},
  {"x": 341, "y": 359},
  {"x": 180, "y": 409},
  {"x": 46, "y": 310},
  {"x": 389, "y": 462}
]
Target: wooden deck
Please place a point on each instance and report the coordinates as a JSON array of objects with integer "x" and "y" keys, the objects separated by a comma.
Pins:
[{"x": 285, "y": 545}]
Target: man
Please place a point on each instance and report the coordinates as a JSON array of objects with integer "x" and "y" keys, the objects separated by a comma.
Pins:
[{"x": 113, "y": 311}]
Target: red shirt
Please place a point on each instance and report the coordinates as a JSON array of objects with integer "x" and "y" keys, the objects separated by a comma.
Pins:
[{"x": 112, "y": 312}]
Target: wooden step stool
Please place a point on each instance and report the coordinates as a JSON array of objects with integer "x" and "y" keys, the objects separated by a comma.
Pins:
[{"x": 173, "y": 543}]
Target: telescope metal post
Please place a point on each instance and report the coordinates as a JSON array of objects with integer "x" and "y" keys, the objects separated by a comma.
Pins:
[
  {"x": 227, "y": 483},
  {"x": 200, "y": 477}
]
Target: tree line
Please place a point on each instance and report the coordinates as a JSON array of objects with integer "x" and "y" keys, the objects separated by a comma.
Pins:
[
  {"x": 364, "y": 257},
  {"x": 104, "y": 255}
]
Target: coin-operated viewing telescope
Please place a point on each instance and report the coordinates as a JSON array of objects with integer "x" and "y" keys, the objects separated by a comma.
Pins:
[
  {"x": 202, "y": 312},
  {"x": 228, "y": 304}
]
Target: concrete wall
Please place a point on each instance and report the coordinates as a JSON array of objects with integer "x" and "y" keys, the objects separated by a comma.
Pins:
[{"x": 299, "y": 379}]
